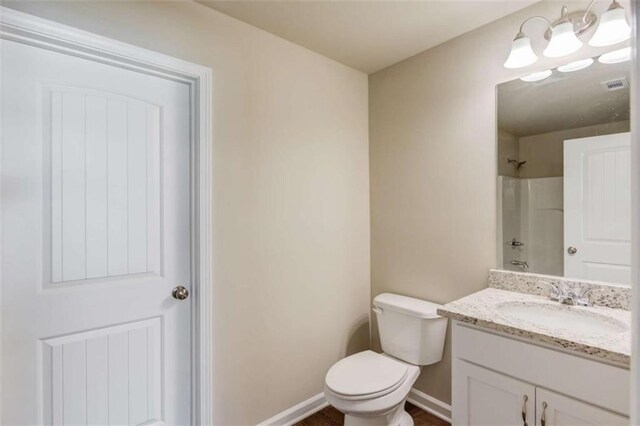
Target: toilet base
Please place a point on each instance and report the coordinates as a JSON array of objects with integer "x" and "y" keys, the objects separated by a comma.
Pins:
[
  {"x": 406, "y": 419},
  {"x": 397, "y": 417}
]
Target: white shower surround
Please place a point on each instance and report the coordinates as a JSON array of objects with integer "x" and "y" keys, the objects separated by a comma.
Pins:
[{"x": 531, "y": 211}]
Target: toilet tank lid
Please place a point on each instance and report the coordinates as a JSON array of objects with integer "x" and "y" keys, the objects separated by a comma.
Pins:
[{"x": 407, "y": 305}]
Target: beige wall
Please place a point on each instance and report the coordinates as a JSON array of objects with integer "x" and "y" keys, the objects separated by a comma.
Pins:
[
  {"x": 291, "y": 198},
  {"x": 544, "y": 153},
  {"x": 432, "y": 127}
]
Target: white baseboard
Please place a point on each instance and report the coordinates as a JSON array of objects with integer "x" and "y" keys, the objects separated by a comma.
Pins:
[
  {"x": 298, "y": 412},
  {"x": 318, "y": 402},
  {"x": 430, "y": 404}
]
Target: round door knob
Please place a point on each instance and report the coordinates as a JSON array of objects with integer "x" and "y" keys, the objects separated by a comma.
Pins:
[
  {"x": 572, "y": 250},
  {"x": 180, "y": 293}
]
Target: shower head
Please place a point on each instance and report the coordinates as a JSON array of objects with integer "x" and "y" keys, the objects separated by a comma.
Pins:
[{"x": 517, "y": 164}]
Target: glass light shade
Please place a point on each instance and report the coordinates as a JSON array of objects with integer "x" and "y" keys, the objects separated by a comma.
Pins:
[
  {"x": 563, "y": 41},
  {"x": 613, "y": 28},
  {"x": 521, "y": 53},
  {"x": 615, "y": 57},
  {"x": 536, "y": 76},
  {"x": 576, "y": 66}
]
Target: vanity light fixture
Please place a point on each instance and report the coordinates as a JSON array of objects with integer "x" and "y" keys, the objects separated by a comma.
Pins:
[
  {"x": 562, "y": 34},
  {"x": 536, "y": 76},
  {"x": 576, "y": 65},
  {"x": 615, "y": 57},
  {"x": 613, "y": 27}
]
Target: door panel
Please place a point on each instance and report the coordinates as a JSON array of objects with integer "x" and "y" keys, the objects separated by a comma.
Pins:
[
  {"x": 111, "y": 373},
  {"x": 485, "y": 398},
  {"x": 560, "y": 410},
  {"x": 597, "y": 202},
  {"x": 96, "y": 234},
  {"x": 104, "y": 159}
]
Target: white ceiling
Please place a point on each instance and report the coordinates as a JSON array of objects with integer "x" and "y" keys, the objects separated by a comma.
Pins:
[{"x": 367, "y": 35}]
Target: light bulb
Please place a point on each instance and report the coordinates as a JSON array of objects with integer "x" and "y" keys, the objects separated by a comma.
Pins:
[
  {"x": 521, "y": 53},
  {"x": 613, "y": 27},
  {"x": 563, "y": 41},
  {"x": 617, "y": 56},
  {"x": 576, "y": 65},
  {"x": 536, "y": 76}
]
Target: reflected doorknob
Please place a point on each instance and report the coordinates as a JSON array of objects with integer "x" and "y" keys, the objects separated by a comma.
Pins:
[
  {"x": 180, "y": 293},
  {"x": 572, "y": 250}
]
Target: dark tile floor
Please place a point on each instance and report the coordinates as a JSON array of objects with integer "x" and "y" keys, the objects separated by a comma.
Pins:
[{"x": 331, "y": 417}]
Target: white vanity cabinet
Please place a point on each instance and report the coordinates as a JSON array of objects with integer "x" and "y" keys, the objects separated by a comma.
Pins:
[{"x": 499, "y": 380}]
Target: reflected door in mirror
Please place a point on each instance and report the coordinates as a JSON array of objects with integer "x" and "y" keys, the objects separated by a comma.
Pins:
[{"x": 597, "y": 199}]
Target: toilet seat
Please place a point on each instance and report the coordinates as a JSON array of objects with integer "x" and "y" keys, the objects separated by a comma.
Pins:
[{"x": 365, "y": 375}]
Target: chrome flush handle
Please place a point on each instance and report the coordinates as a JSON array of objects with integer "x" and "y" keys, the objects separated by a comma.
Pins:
[
  {"x": 543, "y": 417},
  {"x": 524, "y": 410}
]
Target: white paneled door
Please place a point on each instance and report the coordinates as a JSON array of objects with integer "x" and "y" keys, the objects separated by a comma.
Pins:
[
  {"x": 95, "y": 237},
  {"x": 597, "y": 208}
]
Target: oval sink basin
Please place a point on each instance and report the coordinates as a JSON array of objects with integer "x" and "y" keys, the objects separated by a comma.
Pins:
[{"x": 558, "y": 316}]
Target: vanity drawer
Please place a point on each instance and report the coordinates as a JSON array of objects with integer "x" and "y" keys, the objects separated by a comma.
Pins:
[{"x": 600, "y": 384}]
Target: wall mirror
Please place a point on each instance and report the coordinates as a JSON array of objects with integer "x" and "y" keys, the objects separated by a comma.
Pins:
[{"x": 564, "y": 198}]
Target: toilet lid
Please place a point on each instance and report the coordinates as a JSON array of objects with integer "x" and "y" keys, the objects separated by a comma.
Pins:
[{"x": 365, "y": 373}]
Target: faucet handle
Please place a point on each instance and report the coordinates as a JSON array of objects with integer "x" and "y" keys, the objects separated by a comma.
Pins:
[
  {"x": 586, "y": 291},
  {"x": 583, "y": 296},
  {"x": 555, "y": 290}
]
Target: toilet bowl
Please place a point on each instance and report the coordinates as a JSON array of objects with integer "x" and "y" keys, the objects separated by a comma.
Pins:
[{"x": 372, "y": 388}]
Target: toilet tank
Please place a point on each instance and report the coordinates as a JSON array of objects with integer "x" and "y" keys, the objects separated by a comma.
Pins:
[{"x": 410, "y": 329}]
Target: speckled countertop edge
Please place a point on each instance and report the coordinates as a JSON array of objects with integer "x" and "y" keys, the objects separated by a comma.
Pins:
[{"x": 480, "y": 309}]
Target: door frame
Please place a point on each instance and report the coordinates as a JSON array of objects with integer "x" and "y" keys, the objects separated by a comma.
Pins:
[
  {"x": 28, "y": 29},
  {"x": 635, "y": 214}
]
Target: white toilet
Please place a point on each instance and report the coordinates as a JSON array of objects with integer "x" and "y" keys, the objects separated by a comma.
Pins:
[{"x": 371, "y": 388}]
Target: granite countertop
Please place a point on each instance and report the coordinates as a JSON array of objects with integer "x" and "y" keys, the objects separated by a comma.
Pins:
[{"x": 493, "y": 309}]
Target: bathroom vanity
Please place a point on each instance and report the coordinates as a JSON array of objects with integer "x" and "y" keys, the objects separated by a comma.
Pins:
[
  {"x": 522, "y": 359},
  {"x": 554, "y": 349}
]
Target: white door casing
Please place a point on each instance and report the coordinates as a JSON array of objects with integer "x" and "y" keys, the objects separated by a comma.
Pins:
[
  {"x": 98, "y": 231},
  {"x": 635, "y": 217},
  {"x": 597, "y": 204}
]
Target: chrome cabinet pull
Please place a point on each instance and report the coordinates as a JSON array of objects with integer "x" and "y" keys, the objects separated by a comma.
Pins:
[
  {"x": 543, "y": 417},
  {"x": 524, "y": 410}
]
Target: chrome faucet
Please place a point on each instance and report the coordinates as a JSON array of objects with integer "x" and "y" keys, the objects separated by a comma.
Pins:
[
  {"x": 521, "y": 264},
  {"x": 572, "y": 296}
]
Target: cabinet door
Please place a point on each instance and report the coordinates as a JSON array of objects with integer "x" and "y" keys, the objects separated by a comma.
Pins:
[
  {"x": 482, "y": 397},
  {"x": 553, "y": 409}
]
